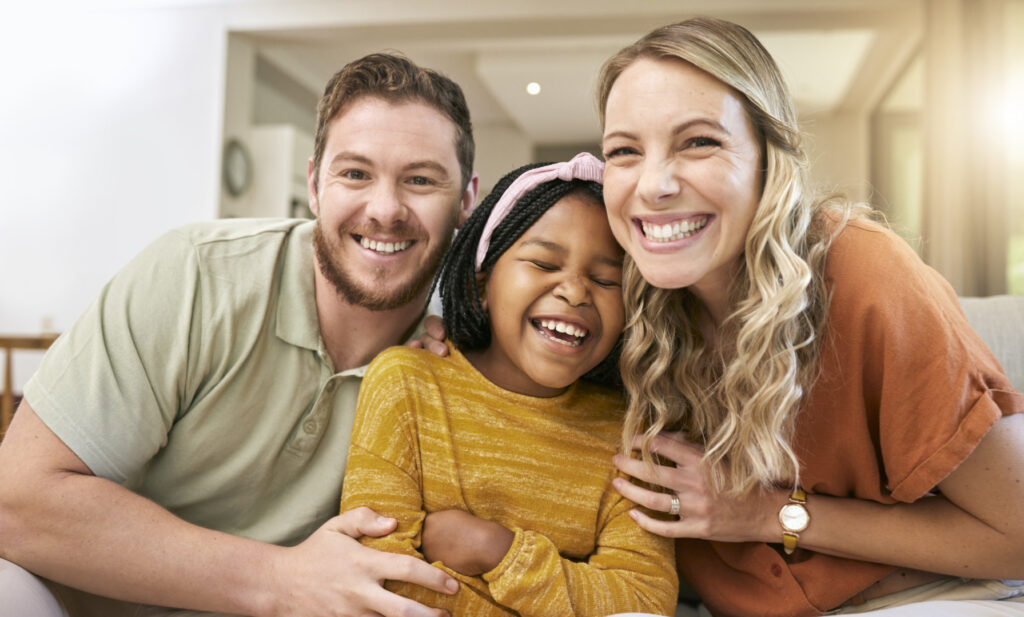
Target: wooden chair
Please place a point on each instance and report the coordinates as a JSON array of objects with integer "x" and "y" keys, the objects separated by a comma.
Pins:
[{"x": 9, "y": 344}]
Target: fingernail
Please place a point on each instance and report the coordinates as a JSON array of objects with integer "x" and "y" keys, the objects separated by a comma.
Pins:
[
  {"x": 633, "y": 514},
  {"x": 383, "y": 519},
  {"x": 617, "y": 483},
  {"x": 453, "y": 585}
]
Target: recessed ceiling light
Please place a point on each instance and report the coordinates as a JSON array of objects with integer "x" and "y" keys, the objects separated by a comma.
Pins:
[{"x": 533, "y": 88}]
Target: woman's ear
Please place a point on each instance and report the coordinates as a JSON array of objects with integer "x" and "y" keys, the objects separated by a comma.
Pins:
[{"x": 481, "y": 289}]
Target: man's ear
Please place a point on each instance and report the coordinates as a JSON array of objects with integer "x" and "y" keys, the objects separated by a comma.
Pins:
[
  {"x": 469, "y": 199},
  {"x": 314, "y": 203},
  {"x": 481, "y": 288}
]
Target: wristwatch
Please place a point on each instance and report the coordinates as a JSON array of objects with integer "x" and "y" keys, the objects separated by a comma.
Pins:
[{"x": 794, "y": 519}]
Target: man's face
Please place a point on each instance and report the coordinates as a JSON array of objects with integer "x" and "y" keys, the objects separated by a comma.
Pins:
[{"x": 390, "y": 197}]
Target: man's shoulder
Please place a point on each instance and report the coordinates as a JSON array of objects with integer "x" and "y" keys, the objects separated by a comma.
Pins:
[{"x": 205, "y": 233}]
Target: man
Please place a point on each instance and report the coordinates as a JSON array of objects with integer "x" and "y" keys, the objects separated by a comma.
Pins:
[{"x": 184, "y": 443}]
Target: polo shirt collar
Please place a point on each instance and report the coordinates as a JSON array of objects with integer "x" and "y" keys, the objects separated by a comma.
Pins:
[{"x": 297, "y": 321}]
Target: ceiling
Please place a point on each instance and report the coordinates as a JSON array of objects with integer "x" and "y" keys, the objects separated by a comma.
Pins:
[{"x": 838, "y": 56}]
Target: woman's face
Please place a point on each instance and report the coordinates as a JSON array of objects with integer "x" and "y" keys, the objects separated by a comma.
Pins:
[{"x": 683, "y": 178}]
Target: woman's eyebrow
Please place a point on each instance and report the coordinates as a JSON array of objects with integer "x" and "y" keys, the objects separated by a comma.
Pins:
[{"x": 679, "y": 128}]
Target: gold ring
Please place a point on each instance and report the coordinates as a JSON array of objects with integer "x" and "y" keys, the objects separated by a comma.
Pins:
[{"x": 674, "y": 510}]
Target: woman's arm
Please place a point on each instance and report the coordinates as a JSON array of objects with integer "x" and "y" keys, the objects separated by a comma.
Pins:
[{"x": 972, "y": 529}]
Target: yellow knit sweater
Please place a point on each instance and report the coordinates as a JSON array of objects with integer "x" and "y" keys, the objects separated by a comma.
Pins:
[{"x": 434, "y": 434}]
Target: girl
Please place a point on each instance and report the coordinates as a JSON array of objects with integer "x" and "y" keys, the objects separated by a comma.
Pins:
[
  {"x": 496, "y": 460},
  {"x": 844, "y": 441}
]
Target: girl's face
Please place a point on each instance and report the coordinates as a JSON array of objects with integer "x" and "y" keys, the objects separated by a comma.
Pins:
[
  {"x": 555, "y": 301},
  {"x": 682, "y": 178}
]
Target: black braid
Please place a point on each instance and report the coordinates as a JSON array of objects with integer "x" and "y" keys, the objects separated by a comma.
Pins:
[{"x": 466, "y": 322}]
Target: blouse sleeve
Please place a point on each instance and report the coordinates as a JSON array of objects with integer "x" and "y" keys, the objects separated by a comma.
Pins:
[
  {"x": 931, "y": 387},
  {"x": 630, "y": 571}
]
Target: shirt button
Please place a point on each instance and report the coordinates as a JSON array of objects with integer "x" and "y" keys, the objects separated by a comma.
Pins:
[
  {"x": 309, "y": 426},
  {"x": 330, "y": 386}
]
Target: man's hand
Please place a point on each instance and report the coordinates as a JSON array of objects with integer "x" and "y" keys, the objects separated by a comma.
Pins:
[
  {"x": 433, "y": 336},
  {"x": 356, "y": 573},
  {"x": 465, "y": 543}
]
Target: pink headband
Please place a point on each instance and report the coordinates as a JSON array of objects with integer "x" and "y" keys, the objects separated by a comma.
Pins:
[{"x": 583, "y": 166}]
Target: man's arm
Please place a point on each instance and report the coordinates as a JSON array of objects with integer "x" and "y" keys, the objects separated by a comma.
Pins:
[{"x": 60, "y": 521}]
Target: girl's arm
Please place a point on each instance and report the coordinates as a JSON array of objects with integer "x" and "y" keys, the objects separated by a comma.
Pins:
[
  {"x": 630, "y": 570},
  {"x": 972, "y": 529}
]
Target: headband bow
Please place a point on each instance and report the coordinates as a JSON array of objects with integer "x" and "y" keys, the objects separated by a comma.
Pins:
[{"x": 583, "y": 166}]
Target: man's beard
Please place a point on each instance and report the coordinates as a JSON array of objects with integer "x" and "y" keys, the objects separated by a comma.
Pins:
[{"x": 376, "y": 297}]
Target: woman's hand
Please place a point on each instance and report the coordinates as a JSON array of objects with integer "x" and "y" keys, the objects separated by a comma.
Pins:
[
  {"x": 465, "y": 543},
  {"x": 433, "y": 336},
  {"x": 702, "y": 512}
]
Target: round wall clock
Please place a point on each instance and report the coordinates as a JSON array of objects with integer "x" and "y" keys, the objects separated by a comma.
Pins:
[{"x": 237, "y": 168}]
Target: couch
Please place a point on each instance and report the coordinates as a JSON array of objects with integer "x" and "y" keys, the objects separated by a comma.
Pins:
[{"x": 1000, "y": 322}]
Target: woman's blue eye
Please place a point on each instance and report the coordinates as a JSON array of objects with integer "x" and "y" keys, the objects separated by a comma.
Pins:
[
  {"x": 354, "y": 174},
  {"x": 624, "y": 151},
  {"x": 704, "y": 142}
]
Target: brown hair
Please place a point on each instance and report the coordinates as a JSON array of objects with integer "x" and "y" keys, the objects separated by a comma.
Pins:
[{"x": 395, "y": 79}]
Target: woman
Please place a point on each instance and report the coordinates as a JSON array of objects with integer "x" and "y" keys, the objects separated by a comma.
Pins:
[{"x": 830, "y": 433}]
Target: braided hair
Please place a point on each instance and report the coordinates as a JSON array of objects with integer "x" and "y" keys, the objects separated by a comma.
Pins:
[{"x": 465, "y": 320}]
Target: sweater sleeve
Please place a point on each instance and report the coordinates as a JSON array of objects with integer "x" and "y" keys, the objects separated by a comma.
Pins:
[
  {"x": 631, "y": 570},
  {"x": 383, "y": 474}
]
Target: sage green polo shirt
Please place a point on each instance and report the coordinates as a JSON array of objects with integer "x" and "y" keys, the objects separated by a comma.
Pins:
[{"x": 199, "y": 379}]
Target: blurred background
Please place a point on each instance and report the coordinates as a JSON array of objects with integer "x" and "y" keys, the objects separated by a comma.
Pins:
[{"x": 120, "y": 120}]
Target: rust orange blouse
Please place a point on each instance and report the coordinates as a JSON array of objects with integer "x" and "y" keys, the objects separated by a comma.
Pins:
[{"x": 906, "y": 392}]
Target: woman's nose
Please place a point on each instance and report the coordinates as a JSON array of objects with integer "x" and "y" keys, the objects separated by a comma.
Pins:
[{"x": 658, "y": 182}]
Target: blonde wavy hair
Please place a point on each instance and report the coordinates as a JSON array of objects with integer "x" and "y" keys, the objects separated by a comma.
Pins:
[{"x": 741, "y": 401}]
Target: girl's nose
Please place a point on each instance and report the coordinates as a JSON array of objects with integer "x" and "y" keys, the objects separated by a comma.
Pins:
[
  {"x": 573, "y": 290},
  {"x": 658, "y": 182}
]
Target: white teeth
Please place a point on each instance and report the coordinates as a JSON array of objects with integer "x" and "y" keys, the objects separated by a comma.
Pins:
[
  {"x": 384, "y": 247},
  {"x": 673, "y": 231},
  {"x": 564, "y": 328}
]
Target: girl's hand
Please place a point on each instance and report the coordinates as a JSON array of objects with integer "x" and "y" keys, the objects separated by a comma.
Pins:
[
  {"x": 702, "y": 512},
  {"x": 465, "y": 543},
  {"x": 433, "y": 336}
]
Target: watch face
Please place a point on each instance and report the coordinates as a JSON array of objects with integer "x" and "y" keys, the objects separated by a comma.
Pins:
[{"x": 794, "y": 517}]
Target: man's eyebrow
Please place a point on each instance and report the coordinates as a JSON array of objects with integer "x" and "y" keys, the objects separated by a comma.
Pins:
[
  {"x": 428, "y": 164},
  {"x": 348, "y": 155}
]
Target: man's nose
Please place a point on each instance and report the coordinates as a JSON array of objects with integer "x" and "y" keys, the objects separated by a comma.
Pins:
[{"x": 386, "y": 206}]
